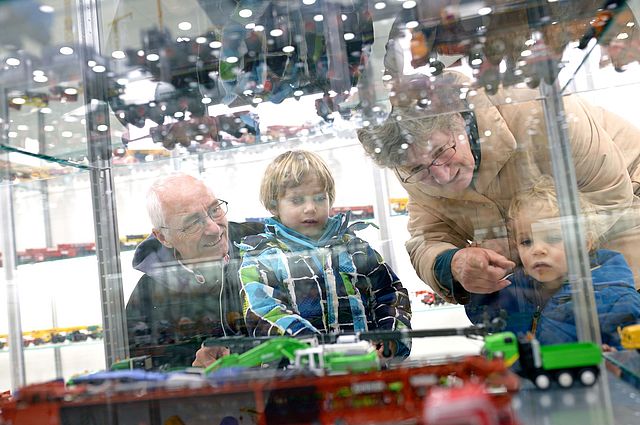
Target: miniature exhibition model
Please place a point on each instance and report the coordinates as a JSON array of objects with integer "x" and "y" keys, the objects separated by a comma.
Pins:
[{"x": 349, "y": 385}]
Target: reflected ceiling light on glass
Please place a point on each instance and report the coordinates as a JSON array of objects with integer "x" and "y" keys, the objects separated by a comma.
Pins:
[
  {"x": 231, "y": 59},
  {"x": 276, "y": 32},
  {"x": 66, "y": 134},
  {"x": 411, "y": 24},
  {"x": 250, "y": 26},
  {"x": 318, "y": 18},
  {"x": 257, "y": 100},
  {"x": 153, "y": 57},
  {"x": 184, "y": 26},
  {"x": 245, "y": 13},
  {"x": 380, "y": 5},
  {"x": 386, "y": 77},
  {"x": 45, "y": 8},
  {"x": 70, "y": 91},
  {"x": 258, "y": 28},
  {"x": 206, "y": 100},
  {"x": 622, "y": 36},
  {"x": 308, "y": 2},
  {"x": 91, "y": 64},
  {"x": 49, "y": 128},
  {"x": 298, "y": 93},
  {"x": 45, "y": 110},
  {"x": 103, "y": 127},
  {"x": 289, "y": 49},
  {"x": 484, "y": 11},
  {"x": 409, "y": 4},
  {"x": 344, "y": 17},
  {"x": 525, "y": 53},
  {"x": 349, "y": 36},
  {"x": 66, "y": 50},
  {"x": 18, "y": 101},
  {"x": 201, "y": 40},
  {"x": 630, "y": 24},
  {"x": 12, "y": 134},
  {"x": 140, "y": 53},
  {"x": 23, "y": 127},
  {"x": 40, "y": 78},
  {"x": 118, "y": 54},
  {"x": 215, "y": 44},
  {"x": 12, "y": 61},
  {"x": 99, "y": 69}
]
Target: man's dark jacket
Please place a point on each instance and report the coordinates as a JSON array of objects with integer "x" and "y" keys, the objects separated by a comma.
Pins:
[{"x": 173, "y": 308}]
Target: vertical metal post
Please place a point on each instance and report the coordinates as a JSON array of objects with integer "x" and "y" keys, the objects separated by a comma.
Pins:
[
  {"x": 382, "y": 213},
  {"x": 16, "y": 354},
  {"x": 48, "y": 237},
  {"x": 102, "y": 187},
  {"x": 587, "y": 325}
]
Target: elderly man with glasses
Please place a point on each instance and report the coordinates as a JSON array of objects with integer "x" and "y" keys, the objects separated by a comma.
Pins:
[
  {"x": 461, "y": 170},
  {"x": 189, "y": 290}
]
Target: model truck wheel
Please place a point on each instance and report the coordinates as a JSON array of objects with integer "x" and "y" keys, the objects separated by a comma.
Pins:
[
  {"x": 588, "y": 377},
  {"x": 542, "y": 381},
  {"x": 565, "y": 379}
]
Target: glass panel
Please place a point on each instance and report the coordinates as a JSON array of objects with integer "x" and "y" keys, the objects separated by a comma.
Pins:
[{"x": 462, "y": 168}]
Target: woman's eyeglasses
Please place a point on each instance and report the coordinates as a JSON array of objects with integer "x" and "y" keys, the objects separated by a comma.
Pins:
[{"x": 443, "y": 157}]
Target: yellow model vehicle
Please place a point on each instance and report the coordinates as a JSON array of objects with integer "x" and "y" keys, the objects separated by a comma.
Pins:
[{"x": 630, "y": 337}]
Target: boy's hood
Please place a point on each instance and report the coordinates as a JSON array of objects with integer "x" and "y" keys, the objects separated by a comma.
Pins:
[{"x": 336, "y": 227}]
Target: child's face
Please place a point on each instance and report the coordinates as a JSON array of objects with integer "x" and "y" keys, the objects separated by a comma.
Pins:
[
  {"x": 305, "y": 208},
  {"x": 541, "y": 248}
]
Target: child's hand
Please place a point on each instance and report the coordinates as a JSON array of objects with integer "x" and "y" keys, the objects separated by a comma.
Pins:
[
  {"x": 608, "y": 349},
  {"x": 385, "y": 349}
]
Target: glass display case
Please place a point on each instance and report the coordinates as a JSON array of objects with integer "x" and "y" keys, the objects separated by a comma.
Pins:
[{"x": 486, "y": 151}]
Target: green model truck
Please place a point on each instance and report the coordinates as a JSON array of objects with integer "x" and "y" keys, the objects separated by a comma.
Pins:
[
  {"x": 340, "y": 357},
  {"x": 544, "y": 364}
]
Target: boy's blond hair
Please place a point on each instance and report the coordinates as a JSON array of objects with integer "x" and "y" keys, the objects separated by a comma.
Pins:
[
  {"x": 544, "y": 193},
  {"x": 289, "y": 170}
]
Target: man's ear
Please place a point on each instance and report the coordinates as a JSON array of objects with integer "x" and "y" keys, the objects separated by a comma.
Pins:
[{"x": 161, "y": 238}]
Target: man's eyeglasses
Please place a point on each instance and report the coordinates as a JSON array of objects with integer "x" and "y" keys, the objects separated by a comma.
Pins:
[
  {"x": 215, "y": 212},
  {"x": 442, "y": 157}
]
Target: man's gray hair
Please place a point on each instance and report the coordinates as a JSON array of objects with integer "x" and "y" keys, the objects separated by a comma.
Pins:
[
  {"x": 387, "y": 144},
  {"x": 160, "y": 186}
]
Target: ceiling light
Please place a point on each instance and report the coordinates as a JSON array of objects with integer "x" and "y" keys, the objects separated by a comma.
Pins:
[
  {"x": 318, "y": 18},
  {"x": 380, "y": 5},
  {"x": 276, "y": 32},
  {"x": 215, "y": 44},
  {"x": 184, "y": 26},
  {"x": 153, "y": 57},
  {"x": 245, "y": 13},
  {"x": 13, "y": 61},
  {"x": 66, "y": 50},
  {"x": 288, "y": 49},
  {"x": 118, "y": 54}
]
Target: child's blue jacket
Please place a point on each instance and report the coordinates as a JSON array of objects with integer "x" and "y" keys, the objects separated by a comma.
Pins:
[
  {"x": 295, "y": 285},
  {"x": 522, "y": 305}
]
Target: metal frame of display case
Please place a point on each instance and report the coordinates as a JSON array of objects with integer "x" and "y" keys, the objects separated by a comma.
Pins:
[
  {"x": 105, "y": 218},
  {"x": 102, "y": 188}
]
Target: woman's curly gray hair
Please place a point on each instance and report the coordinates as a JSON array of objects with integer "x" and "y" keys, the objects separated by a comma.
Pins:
[{"x": 387, "y": 144}]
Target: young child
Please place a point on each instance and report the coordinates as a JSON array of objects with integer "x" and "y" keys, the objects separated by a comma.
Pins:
[
  {"x": 308, "y": 273},
  {"x": 539, "y": 298}
]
